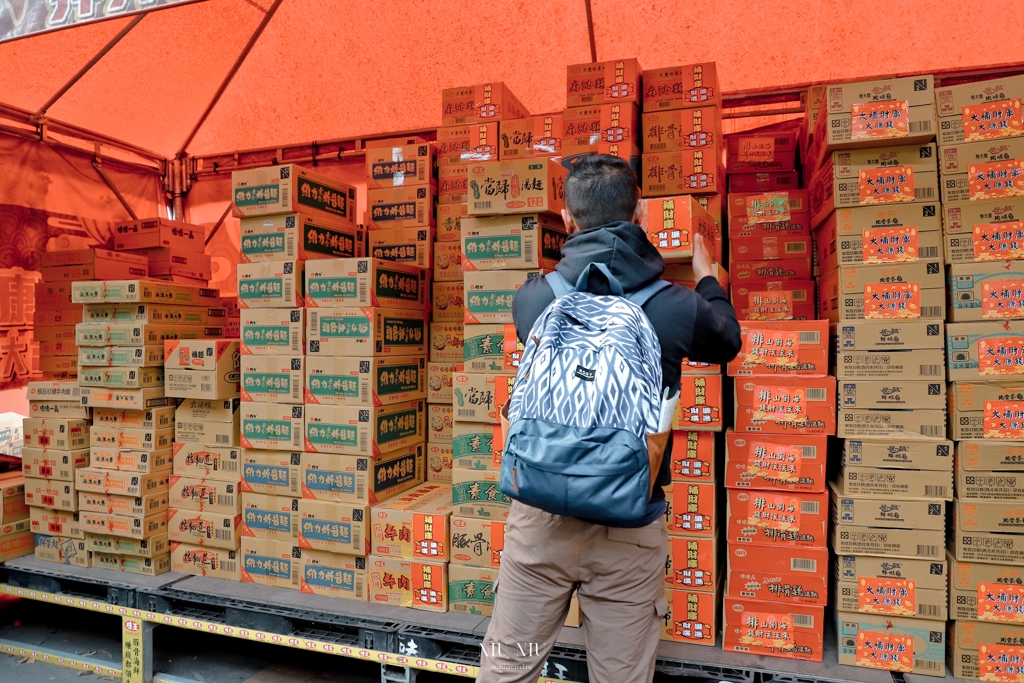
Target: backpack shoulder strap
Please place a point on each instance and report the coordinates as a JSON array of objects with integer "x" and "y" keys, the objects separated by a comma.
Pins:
[
  {"x": 559, "y": 285},
  {"x": 644, "y": 294}
]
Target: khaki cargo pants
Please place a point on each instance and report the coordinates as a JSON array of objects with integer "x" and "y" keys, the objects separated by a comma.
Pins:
[{"x": 621, "y": 588}]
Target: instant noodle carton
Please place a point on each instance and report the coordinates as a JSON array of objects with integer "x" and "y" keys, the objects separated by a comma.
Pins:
[
  {"x": 692, "y": 563},
  {"x": 217, "y": 563},
  {"x": 446, "y": 342},
  {"x": 690, "y": 509},
  {"x": 779, "y": 462},
  {"x": 408, "y": 583},
  {"x": 272, "y": 517},
  {"x": 361, "y": 479},
  {"x": 891, "y": 586},
  {"x": 333, "y": 380},
  {"x": 333, "y": 575},
  {"x": 693, "y": 456},
  {"x": 477, "y": 542},
  {"x": 892, "y": 643},
  {"x": 777, "y": 518},
  {"x": 790, "y": 575},
  {"x": 680, "y": 87},
  {"x": 414, "y": 525},
  {"x": 299, "y": 237},
  {"x": 290, "y": 188},
  {"x": 692, "y": 617},
  {"x": 270, "y": 563},
  {"x": 790, "y": 631}
]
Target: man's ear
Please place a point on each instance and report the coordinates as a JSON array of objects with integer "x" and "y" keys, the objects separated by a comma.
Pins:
[
  {"x": 568, "y": 220},
  {"x": 638, "y": 211}
]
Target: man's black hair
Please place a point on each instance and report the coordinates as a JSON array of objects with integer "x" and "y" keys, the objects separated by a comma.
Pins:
[{"x": 601, "y": 189}]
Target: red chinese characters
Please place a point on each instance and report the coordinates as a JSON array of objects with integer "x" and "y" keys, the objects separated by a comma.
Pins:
[
  {"x": 876, "y": 120},
  {"x": 887, "y": 185}
]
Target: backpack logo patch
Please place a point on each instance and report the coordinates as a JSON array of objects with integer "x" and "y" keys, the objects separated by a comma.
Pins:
[{"x": 585, "y": 374}]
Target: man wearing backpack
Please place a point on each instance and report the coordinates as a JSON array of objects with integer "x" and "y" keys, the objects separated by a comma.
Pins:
[{"x": 615, "y": 566}]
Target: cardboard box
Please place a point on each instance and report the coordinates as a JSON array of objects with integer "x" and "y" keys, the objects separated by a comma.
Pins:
[
  {"x": 130, "y": 526},
  {"x": 275, "y": 518},
  {"x": 700, "y": 403},
  {"x": 55, "y": 296},
  {"x": 409, "y": 246},
  {"x": 131, "y": 438},
  {"x": 782, "y": 348},
  {"x": 214, "y": 355},
  {"x": 892, "y": 394},
  {"x": 989, "y": 515},
  {"x": 905, "y": 424},
  {"x": 439, "y": 463},
  {"x": 69, "y": 551},
  {"x": 65, "y": 435},
  {"x": 682, "y": 172},
  {"x": 335, "y": 576},
  {"x": 120, "y": 483},
  {"x": 277, "y": 379},
  {"x": 989, "y": 486},
  {"x": 448, "y": 301},
  {"x": 134, "y": 565},
  {"x": 925, "y": 274},
  {"x": 679, "y": 87},
  {"x": 503, "y": 187},
  {"x": 299, "y": 236},
  {"x": 58, "y": 410},
  {"x": 926, "y": 576},
  {"x": 218, "y": 530},
  {"x": 107, "y": 263},
  {"x": 365, "y": 332},
  {"x": 782, "y": 519},
  {"x": 533, "y": 136},
  {"x": 168, "y": 261},
  {"x": 793, "y": 575},
  {"x": 692, "y": 617},
  {"x": 484, "y": 102},
  {"x": 971, "y": 402},
  {"x": 53, "y": 391},
  {"x": 271, "y": 426},
  {"x": 53, "y": 522},
  {"x": 477, "y": 493},
  {"x": 270, "y": 284},
  {"x": 979, "y": 591},
  {"x": 682, "y": 274},
  {"x": 980, "y": 546},
  {"x": 693, "y": 456},
  {"x": 439, "y": 423},
  {"x": 747, "y": 245},
  {"x": 439, "y": 382},
  {"x": 291, "y": 188},
  {"x": 771, "y": 209},
  {"x": 356, "y": 430},
  {"x": 141, "y": 506},
  {"x": 766, "y": 149},
  {"x": 889, "y": 301},
  {"x": 125, "y": 399},
  {"x": 869, "y": 235},
  {"x": 471, "y": 589},
  {"x": 890, "y": 643},
  {"x": 135, "y": 334},
  {"x": 334, "y": 527},
  {"x": 885, "y": 510},
  {"x": 774, "y": 270},
  {"x": 876, "y": 335},
  {"x": 604, "y": 126},
  {"x": 989, "y": 455},
  {"x": 796, "y": 405},
  {"x": 973, "y": 171},
  {"x": 143, "y": 461},
  {"x": 141, "y": 292},
  {"x": 986, "y": 351},
  {"x": 894, "y": 543},
  {"x": 477, "y": 542},
  {"x": 209, "y": 431},
  {"x": 479, "y": 397},
  {"x": 161, "y": 417},
  {"x": 53, "y": 463},
  {"x": 408, "y": 583},
  {"x": 968, "y": 640},
  {"x": 980, "y": 110},
  {"x": 919, "y": 364},
  {"x": 400, "y": 207},
  {"x": 769, "y": 181},
  {"x": 775, "y": 462},
  {"x": 470, "y": 142},
  {"x": 448, "y": 218},
  {"x": 153, "y": 233},
  {"x": 447, "y": 261},
  {"x": 399, "y": 166},
  {"x": 774, "y": 300},
  {"x": 272, "y": 331},
  {"x": 270, "y": 563},
  {"x": 692, "y": 563},
  {"x": 679, "y": 129},
  {"x": 985, "y": 291},
  {"x": 512, "y": 242},
  {"x": 453, "y": 185},
  {"x": 119, "y": 545},
  {"x": 476, "y": 446},
  {"x": 120, "y": 378},
  {"x": 413, "y": 525},
  {"x": 616, "y": 80},
  {"x": 333, "y": 380},
  {"x": 488, "y": 294},
  {"x": 982, "y": 230},
  {"x": 671, "y": 223},
  {"x": 120, "y": 357},
  {"x": 690, "y": 509},
  {"x": 217, "y": 563},
  {"x": 898, "y": 483},
  {"x": 790, "y": 631},
  {"x": 842, "y": 98},
  {"x": 201, "y": 384},
  {"x": 204, "y": 495},
  {"x": 276, "y": 473},
  {"x": 360, "y": 479},
  {"x": 883, "y": 175}
]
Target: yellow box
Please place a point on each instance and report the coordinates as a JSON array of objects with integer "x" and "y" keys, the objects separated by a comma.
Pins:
[
  {"x": 353, "y": 430},
  {"x": 64, "y": 435},
  {"x": 213, "y": 529},
  {"x": 616, "y": 80},
  {"x": 408, "y": 583},
  {"x": 106, "y": 436},
  {"x": 217, "y": 563},
  {"x": 334, "y": 527},
  {"x": 449, "y": 220},
  {"x": 152, "y": 418},
  {"x": 447, "y": 261},
  {"x": 500, "y": 187},
  {"x": 477, "y": 542},
  {"x": 121, "y": 356},
  {"x": 275, "y": 518},
  {"x": 479, "y": 397},
  {"x": 204, "y": 495},
  {"x": 333, "y": 575},
  {"x": 414, "y": 525},
  {"x": 484, "y": 102}
]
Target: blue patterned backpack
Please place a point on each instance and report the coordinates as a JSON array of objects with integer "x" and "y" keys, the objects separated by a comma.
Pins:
[{"x": 586, "y": 397}]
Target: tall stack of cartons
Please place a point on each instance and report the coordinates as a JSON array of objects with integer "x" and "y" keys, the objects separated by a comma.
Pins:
[
  {"x": 981, "y": 148},
  {"x": 122, "y": 486},
  {"x": 602, "y": 113},
  {"x": 777, "y": 510},
  {"x": 873, "y": 201}
]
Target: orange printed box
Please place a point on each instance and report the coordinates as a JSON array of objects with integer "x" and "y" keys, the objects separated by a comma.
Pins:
[
  {"x": 483, "y": 102},
  {"x": 788, "y": 575},
  {"x": 680, "y": 87},
  {"x": 798, "y": 405},
  {"x": 746, "y": 208},
  {"x": 601, "y": 124},
  {"x": 469, "y": 142},
  {"x": 413, "y": 525},
  {"x": 774, "y": 300},
  {"x": 500, "y": 187},
  {"x": 771, "y": 270},
  {"x": 777, "y": 462},
  {"x": 692, "y": 563},
  {"x": 671, "y": 223},
  {"x": 773, "y": 629},
  {"x": 690, "y": 509},
  {"x": 692, "y": 617},
  {"x": 617, "y": 80},
  {"x": 782, "y": 348},
  {"x": 693, "y": 456},
  {"x": 777, "y": 518},
  {"x": 769, "y": 181},
  {"x": 756, "y": 247},
  {"x": 765, "y": 149},
  {"x": 700, "y": 403},
  {"x": 678, "y": 129},
  {"x": 448, "y": 219},
  {"x": 408, "y": 583},
  {"x": 533, "y": 136},
  {"x": 689, "y": 171},
  {"x": 452, "y": 188}
]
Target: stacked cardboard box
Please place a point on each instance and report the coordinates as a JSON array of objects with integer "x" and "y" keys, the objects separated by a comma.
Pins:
[
  {"x": 602, "y": 114},
  {"x": 777, "y": 513},
  {"x": 173, "y": 250}
]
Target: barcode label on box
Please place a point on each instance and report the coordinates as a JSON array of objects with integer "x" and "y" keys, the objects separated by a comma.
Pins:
[
  {"x": 932, "y": 370},
  {"x": 929, "y": 611},
  {"x": 803, "y": 620},
  {"x": 931, "y": 311},
  {"x": 296, "y": 393},
  {"x": 224, "y": 438},
  {"x": 924, "y": 193},
  {"x": 799, "y": 564},
  {"x": 288, "y": 295},
  {"x": 809, "y": 452},
  {"x": 809, "y": 507},
  {"x": 933, "y": 431},
  {"x": 364, "y": 390},
  {"x": 227, "y": 566},
  {"x": 795, "y": 248},
  {"x": 928, "y": 550},
  {"x": 810, "y": 337},
  {"x": 226, "y": 501},
  {"x": 929, "y": 252},
  {"x": 936, "y": 491},
  {"x": 295, "y": 342},
  {"x": 927, "y": 665},
  {"x": 222, "y": 534},
  {"x": 362, "y": 290},
  {"x": 481, "y": 205},
  {"x": 360, "y": 487},
  {"x": 817, "y": 394}
]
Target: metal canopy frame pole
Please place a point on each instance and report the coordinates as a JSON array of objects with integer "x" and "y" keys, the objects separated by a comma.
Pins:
[
  {"x": 117, "y": 193},
  {"x": 590, "y": 31}
]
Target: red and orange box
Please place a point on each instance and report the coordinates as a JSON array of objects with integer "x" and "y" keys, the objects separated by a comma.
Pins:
[
  {"x": 766, "y": 242},
  {"x": 773, "y": 629},
  {"x": 693, "y": 456},
  {"x": 768, "y": 148},
  {"x": 609, "y": 123},
  {"x": 690, "y": 509},
  {"x": 452, "y": 186},
  {"x": 772, "y": 181},
  {"x": 484, "y": 102},
  {"x": 467, "y": 143},
  {"x": 692, "y": 563},
  {"x": 777, "y": 518},
  {"x": 689, "y": 171},
  {"x": 778, "y": 348},
  {"x": 692, "y": 617},
  {"x": 776, "y": 462},
  {"x": 681, "y": 87},
  {"x": 616, "y": 80},
  {"x": 788, "y": 575},
  {"x": 765, "y": 206},
  {"x": 533, "y": 136},
  {"x": 774, "y": 300},
  {"x": 798, "y": 405},
  {"x": 678, "y": 129},
  {"x": 700, "y": 404},
  {"x": 767, "y": 271},
  {"x": 671, "y": 223}
]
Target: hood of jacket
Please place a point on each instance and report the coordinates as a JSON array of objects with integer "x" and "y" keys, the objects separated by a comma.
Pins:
[{"x": 622, "y": 246}]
